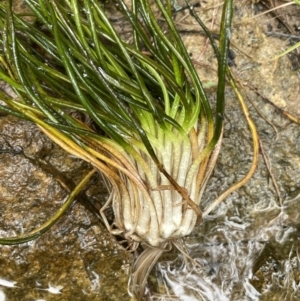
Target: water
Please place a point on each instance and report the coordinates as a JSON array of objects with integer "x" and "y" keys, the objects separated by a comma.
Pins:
[
  {"x": 234, "y": 265},
  {"x": 224, "y": 272}
]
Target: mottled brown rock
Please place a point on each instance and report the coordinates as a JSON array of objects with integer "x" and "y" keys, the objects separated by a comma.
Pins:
[{"x": 77, "y": 258}]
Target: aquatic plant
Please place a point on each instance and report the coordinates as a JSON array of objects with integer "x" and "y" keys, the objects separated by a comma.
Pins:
[{"x": 153, "y": 133}]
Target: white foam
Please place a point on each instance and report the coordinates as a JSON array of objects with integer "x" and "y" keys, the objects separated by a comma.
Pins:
[
  {"x": 56, "y": 290},
  {"x": 2, "y": 296},
  {"x": 7, "y": 283}
]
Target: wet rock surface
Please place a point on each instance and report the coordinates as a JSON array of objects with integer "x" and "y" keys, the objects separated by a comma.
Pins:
[{"x": 77, "y": 259}]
